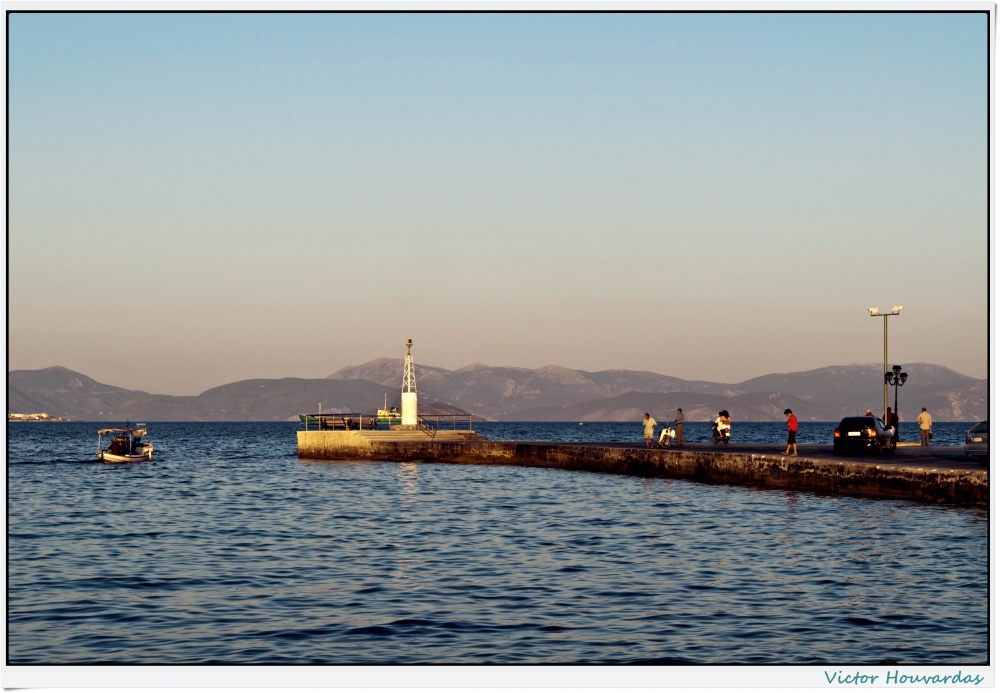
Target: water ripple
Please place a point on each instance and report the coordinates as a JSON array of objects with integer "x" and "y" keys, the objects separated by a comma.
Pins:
[{"x": 227, "y": 548}]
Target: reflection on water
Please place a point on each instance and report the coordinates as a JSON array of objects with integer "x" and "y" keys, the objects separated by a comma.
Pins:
[{"x": 227, "y": 548}]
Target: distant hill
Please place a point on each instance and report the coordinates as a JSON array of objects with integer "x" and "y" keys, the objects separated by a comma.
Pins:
[
  {"x": 62, "y": 392},
  {"x": 947, "y": 394},
  {"x": 552, "y": 391},
  {"x": 697, "y": 406},
  {"x": 496, "y": 392},
  {"x": 857, "y": 383},
  {"x": 549, "y": 393}
]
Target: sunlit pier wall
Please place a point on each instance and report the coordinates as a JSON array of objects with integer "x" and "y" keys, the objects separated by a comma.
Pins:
[{"x": 847, "y": 478}]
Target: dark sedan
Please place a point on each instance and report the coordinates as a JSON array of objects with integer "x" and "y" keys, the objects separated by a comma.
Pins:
[
  {"x": 862, "y": 434},
  {"x": 977, "y": 442}
]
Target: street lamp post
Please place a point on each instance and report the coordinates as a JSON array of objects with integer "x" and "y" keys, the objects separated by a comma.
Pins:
[
  {"x": 885, "y": 349},
  {"x": 895, "y": 378}
]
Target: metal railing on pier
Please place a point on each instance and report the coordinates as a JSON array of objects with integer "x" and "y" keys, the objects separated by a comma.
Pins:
[
  {"x": 366, "y": 422},
  {"x": 338, "y": 422},
  {"x": 445, "y": 422}
]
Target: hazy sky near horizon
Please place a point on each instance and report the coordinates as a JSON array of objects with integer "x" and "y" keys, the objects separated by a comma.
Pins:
[{"x": 200, "y": 198}]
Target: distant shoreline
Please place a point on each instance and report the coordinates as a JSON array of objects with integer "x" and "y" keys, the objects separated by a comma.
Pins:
[{"x": 548, "y": 394}]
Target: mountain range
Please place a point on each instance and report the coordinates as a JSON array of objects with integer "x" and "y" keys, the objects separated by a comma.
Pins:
[
  {"x": 549, "y": 393},
  {"x": 553, "y": 393}
]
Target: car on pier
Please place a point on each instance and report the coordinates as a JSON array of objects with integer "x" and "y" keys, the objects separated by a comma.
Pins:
[
  {"x": 977, "y": 442},
  {"x": 862, "y": 434}
]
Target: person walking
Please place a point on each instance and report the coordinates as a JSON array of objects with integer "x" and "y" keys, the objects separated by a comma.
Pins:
[
  {"x": 925, "y": 422},
  {"x": 649, "y": 424},
  {"x": 793, "y": 428},
  {"x": 679, "y": 425}
]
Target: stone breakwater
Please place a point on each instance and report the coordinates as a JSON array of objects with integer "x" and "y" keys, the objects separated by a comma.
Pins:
[{"x": 841, "y": 477}]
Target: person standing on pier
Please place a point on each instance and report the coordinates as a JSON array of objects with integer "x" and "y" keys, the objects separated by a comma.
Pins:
[
  {"x": 925, "y": 422},
  {"x": 649, "y": 424},
  {"x": 892, "y": 421},
  {"x": 679, "y": 425},
  {"x": 793, "y": 428}
]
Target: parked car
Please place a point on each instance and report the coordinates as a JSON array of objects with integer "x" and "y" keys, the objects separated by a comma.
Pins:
[
  {"x": 977, "y": 442},
  {"x": 862, "y": 434}
]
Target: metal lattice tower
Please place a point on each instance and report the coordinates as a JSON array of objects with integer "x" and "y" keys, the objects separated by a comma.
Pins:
[
  {"x": 409, "y": 379},
  {"x": 409, "y": 397}
]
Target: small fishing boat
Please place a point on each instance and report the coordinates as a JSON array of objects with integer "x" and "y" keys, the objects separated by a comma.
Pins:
[
  {"x": 127, "y": 444},
  {"x": 318, "y": 421},
  {"x": 388, "y": 416}
]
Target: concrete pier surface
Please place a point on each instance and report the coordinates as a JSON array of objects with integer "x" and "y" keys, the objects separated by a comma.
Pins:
[{"x": 936, "y": 474}]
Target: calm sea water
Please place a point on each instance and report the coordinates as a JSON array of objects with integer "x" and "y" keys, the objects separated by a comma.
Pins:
[{"x": 227, "y": 548}]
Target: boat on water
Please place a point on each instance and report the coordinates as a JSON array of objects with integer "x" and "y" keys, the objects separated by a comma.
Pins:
[
  {"x": 388, "y": 416},
  {"x": 384, "y": 418},
  {"x": 126, "y": 444}
]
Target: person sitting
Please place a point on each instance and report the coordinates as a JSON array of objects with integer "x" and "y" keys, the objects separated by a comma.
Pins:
[{"x": 721, "y": 426}]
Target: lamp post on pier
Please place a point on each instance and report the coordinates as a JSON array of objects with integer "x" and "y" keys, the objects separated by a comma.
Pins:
[
  {"x": 885, "y": 349},
  {"x": 895, "y": 379}
]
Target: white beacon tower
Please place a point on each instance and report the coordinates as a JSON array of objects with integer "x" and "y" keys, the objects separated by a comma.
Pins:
[{"x": 409, "y": 398}]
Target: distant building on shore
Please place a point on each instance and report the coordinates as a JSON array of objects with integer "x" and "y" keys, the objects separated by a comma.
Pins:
[{"x": 32, "y": 417}]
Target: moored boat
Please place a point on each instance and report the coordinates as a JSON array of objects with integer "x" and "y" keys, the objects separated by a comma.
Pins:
[
  {"x": 127, "y": 444},
  {"x": 310, "y": 420},
  {"x": 384, "y": 418},
  {"x": 388, "y": 416}
]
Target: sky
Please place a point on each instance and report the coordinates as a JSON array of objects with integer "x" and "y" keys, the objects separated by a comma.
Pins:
[{"x": 196, "y": 199}]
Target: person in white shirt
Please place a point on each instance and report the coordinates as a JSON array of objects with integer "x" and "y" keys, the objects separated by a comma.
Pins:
[
  {"x": 723, "y": 421},
  {"x": 722, "y": 424},
  {"x": 649, "y": 426},
  {"x": 925, "y": 426}
]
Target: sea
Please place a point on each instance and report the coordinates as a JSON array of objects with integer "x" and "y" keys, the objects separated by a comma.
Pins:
[{"x": 227, "y": 548}]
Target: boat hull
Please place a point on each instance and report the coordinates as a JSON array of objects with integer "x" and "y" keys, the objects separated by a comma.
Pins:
[{"x": 106, "y": 456}]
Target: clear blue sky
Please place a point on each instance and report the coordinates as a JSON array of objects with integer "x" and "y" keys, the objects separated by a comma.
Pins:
[{"x": 196, "y": 199}]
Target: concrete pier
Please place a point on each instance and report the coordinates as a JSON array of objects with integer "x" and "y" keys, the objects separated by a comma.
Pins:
[{"x": 936, "y": 475}]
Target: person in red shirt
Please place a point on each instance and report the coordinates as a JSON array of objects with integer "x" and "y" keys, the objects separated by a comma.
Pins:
[{"x": 793, "y": 428}]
